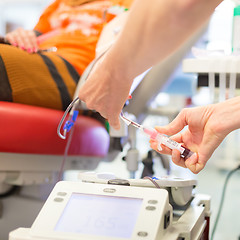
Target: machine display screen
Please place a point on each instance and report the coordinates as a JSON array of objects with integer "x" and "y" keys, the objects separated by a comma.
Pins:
[{"x": 100, "y": 215}]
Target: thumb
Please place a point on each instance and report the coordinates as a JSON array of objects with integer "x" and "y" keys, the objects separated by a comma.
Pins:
[{"x": 176, "y": 125}]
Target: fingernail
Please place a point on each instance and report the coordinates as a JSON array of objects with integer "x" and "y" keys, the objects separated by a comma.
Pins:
[
  {"x": 23, "y": 48},
  {"x": 29, "y": 50}
]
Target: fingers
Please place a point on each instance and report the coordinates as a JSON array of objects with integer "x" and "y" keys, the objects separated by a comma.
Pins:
[
  {"x": 114, "y": 122},
  {"x": 176, "y": 158},
  {"x": 194, "y": 163},
  {"x": 154, "y": 145},
  {"x": 112, "y": 118},
  {"x": 165, "y": 150},
  {"x": 24, "y": 39},
  {"x": 31, "y": 41}
]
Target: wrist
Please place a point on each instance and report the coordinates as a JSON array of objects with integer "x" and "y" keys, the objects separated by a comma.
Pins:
[
  {"x": 228, "y": 113},
  {"x": 118, "y": 68}
]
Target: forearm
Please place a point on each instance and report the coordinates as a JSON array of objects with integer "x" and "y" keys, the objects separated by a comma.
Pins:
[{"x": 155, "y": 29}]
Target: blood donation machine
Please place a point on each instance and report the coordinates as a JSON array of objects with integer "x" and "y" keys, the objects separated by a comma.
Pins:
[{"x": 102, "y": 207}]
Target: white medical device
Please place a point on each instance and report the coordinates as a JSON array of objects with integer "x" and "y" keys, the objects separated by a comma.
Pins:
[
  {"x": 87, "y": 211},
  {"x": 118, "y": 209}
]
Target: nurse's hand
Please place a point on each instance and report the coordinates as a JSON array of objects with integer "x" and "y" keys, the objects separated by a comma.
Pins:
[
  {"x": 207, "y": 127},
  {"x": 106, "y": 91},
  {"x": 24, "y": 39}
]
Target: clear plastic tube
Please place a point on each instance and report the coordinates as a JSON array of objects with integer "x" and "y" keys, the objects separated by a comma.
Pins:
[{"x": 165, "y": 140}]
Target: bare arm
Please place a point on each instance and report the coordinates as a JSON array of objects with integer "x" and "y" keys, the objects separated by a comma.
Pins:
[{"x": 154, "y": 29}]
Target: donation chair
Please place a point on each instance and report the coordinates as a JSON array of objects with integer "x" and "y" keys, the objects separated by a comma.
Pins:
[
  {"x": 29, "y": 143},
  {"x": 31, "y": 156}
]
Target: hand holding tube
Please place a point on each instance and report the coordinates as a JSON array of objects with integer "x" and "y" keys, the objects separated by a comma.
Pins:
[
  {"x": 207, "y": 127},
  {"x": 159, "y": 138}
]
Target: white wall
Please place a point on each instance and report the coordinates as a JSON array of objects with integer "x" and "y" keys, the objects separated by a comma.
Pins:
[{"x": 20, "y": 13}]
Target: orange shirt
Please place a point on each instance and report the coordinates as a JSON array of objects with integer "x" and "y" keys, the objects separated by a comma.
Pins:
[{"x": 74, "y": 31}]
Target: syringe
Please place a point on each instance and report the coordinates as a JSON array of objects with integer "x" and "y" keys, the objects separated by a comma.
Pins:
[{"x": 161, "y": 138}]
